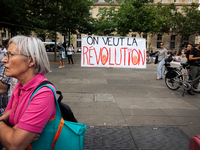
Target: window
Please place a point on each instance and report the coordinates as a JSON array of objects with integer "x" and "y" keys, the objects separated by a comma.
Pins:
[
  {"x": 159, "y": 40},
  {"x": 96, "y": 1},
  {"x": 101, "y": 1},
  {"x": 133, "y": 35},
  {"x": 3, "y": 35},
  {"x": 90, "y": 11},
  {"x": 175, "y": 1},
  {"x": 101, "y": 11},
  {"x": 174, "y": 11},
  {"x": 145, "y": 37},
  {"x": 151, "y": 1},
  {"x": 162, "y": 1},
  {"x": 189, "y": 1},
  {"x": 172, "y": 43},
  {"x": 78, "y": 43},
  {"x": 186, "y": 41},
  {"x": 110, "y": 34},
  {"x": 78, "y": 36},
  {"x": 78, "y": 40},
  {"x": 107, "y": 1}
]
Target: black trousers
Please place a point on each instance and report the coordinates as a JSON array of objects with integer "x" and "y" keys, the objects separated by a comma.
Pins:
[{"x": 70, "y": 58}]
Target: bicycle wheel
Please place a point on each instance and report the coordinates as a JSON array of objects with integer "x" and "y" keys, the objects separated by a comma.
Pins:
[{"x": 173, "y": 80}]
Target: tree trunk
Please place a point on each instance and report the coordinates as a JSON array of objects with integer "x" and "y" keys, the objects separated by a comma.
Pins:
[
  {"x": 55, "y": 34},
  {"x": 69, "y": 39},
  {"x": 178, "y": 49}
]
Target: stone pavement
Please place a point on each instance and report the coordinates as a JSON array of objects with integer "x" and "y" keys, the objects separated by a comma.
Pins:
[{"x": 120, "y": 98}]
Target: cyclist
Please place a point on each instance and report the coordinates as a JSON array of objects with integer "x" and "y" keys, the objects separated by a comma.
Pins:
[{"x": 194, "y": 58}]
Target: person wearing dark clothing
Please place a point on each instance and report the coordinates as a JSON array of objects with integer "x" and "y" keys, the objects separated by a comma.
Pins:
[
  {"x": 194, "y": 58},
  {"x": 186, "y": 53}
]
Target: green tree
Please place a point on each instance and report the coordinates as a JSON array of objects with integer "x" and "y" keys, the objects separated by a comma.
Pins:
[
  {"x": 187, "y": 23},
  {"x": 104, "y": 24},
  {"x": 64, "y": 16},
  {"x": 163, "y": 22},
  {"x": 14, "y": 16},
  {"x": 76, "y": 17},
  {"x": 135, "y": 16}
]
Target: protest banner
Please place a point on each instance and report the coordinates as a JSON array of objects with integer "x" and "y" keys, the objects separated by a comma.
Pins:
[{"x": 120, "y": 52}]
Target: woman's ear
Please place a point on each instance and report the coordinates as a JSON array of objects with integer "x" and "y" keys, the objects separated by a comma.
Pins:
[{"x": 30, "y": 62}]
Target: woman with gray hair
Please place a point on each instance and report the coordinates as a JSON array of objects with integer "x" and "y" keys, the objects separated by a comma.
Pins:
[{"x": 26, "y": 60}]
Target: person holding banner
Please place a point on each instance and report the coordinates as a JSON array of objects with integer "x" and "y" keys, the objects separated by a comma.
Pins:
[
  {"x": 61, "y": 50},
  {"x": 162, "y": 54}
]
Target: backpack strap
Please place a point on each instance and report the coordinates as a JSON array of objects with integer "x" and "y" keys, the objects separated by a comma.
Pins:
[
  {"x": 48, "y": 82},
  {"x": 58, "y": 133}
]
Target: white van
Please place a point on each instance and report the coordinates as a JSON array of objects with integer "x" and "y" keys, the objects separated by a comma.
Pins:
[{"x": 50, "y": 46}]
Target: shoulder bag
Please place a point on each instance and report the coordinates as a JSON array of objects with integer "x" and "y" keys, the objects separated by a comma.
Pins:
[{"x": 59, "y": 134}]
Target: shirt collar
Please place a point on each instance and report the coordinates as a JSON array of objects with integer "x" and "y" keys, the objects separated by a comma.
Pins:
[{"x": 33, "y": 83}]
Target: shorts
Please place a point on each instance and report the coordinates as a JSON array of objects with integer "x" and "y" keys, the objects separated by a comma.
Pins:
[{"x": 60, "y": 56}]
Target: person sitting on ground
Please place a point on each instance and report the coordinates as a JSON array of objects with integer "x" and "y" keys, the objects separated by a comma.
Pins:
[
  {"x": 26, "y": 60},
  {"x": 177, "y": 58},
  {"x": 169, "y": 57}
]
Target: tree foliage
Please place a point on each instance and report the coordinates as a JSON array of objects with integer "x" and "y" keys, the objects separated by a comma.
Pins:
[
  {"x": 104, "y": 24},
  {"x": 187, "y": 23},
  {"x": 15, "y": 16}
]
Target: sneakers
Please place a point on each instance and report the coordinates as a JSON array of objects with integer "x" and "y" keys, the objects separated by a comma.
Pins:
[
  {"x": 61, "y": 67},
  {"x": 190, "y": 92}
]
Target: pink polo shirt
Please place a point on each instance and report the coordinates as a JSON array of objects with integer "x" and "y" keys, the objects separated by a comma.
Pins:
[{"x": 42, "y": 107}]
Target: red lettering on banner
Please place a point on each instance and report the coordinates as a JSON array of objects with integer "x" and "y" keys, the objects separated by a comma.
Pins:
[
  {"x": 85, "y": 53},
  {"x": 104, "y": 57},
  {"x": 97, "y": 60},
  {"x": 143, "y": 58},
  {"x": 90, "y": 49},
  {"x": 110, "y": 57},
  {"x": 124, "y": 48},
  {"x": 92, "y": 57},
  {"x": 135, "y": 59},
  {"x": 129, "y": 55},
  {"x": 120, "y": 57}
]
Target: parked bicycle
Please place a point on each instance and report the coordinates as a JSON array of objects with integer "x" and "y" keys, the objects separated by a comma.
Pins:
[{"x": 178, "y": 77}]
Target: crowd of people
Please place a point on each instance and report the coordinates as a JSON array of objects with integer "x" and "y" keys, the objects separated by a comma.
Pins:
[{"x": 192, "y": 54}]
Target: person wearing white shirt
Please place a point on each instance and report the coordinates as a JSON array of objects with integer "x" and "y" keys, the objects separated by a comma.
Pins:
[{"x": 69, "y": 54}]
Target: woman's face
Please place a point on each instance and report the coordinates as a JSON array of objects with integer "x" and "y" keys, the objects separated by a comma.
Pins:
[
  {"x": 161, "y": 45},
  {"x": 17, "y": 64}
]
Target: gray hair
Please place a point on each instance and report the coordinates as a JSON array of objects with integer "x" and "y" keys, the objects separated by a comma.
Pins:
[{"x": 34, "y": 48}]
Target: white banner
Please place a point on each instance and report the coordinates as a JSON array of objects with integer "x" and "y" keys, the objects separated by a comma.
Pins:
[{"x": 121, "y": 52}]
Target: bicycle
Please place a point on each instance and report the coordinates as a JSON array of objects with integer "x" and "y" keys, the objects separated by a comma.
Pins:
[{"x": 178, "y": 77}]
